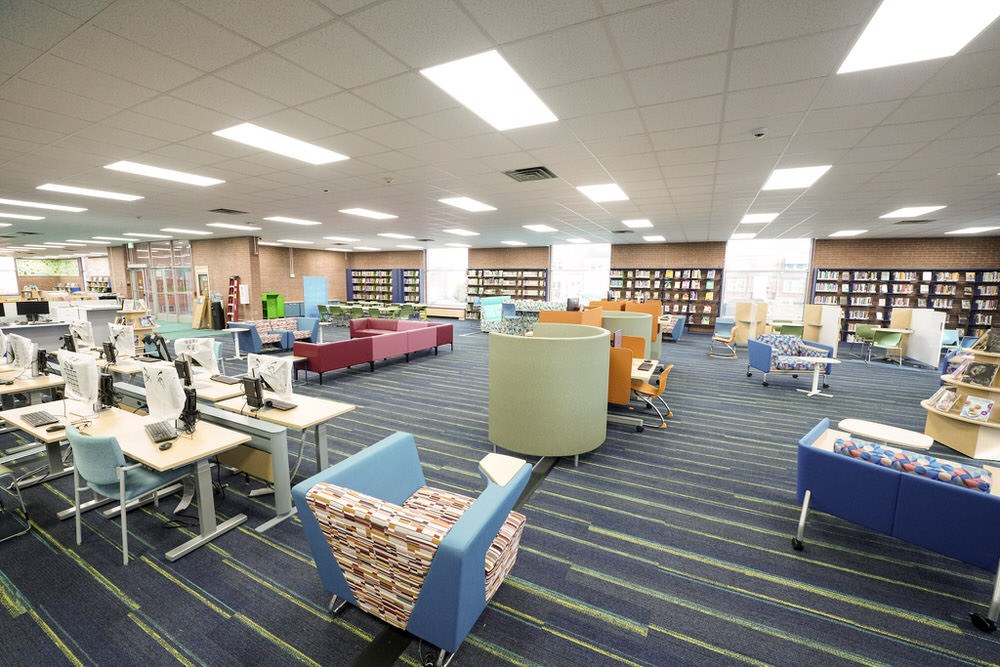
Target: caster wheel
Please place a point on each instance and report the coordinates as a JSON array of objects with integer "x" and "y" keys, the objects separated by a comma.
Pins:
[
  {"x": 639, "y": 429},
  {"x": 797, "y": 544},
  {"x": 983, "y": 623},
  {"x": 764, "y": 383},
  {"x": 795, "y": 376},
  {"x": 749, "y": 374}
]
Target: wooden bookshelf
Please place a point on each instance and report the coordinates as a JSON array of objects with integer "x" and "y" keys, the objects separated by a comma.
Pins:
[{"x": 517, "y": 283}]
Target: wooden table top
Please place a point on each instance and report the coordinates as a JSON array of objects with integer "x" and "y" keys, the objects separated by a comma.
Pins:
[{"x": 309, "y": 411}]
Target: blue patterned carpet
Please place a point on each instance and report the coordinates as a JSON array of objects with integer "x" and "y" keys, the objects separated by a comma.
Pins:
[{"x": 667, "y": 547}]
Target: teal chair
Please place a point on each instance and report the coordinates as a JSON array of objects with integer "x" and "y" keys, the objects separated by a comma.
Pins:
[
  {"x": 8, "y": 485},
  {"x": 99, "y": 465},
  {"x": 888, "y": 341},
  {"x": 950, "y": 340}
]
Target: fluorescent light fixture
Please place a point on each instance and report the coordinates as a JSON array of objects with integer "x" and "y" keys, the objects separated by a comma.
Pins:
[
  {"x": 637, "y": 223},
  {"x": 275, "y": 142},
  {"x": 745, "y": 236},
  {"x": 181, "y": 230},
  {"x": 491, "y": 89},
  {"x": 35, "y": 204},
  {"x": 160, "y": 172},
  {"x": 365, "y": 247},
  {"x": 394, "y": 235},
  {"x": 794, "y": 178},
  {"x": 87, "y": 192},
  {"x": 911, "y": 211},
  {"x": 654, "y": 238},
  {"x": 514, "y": 243},
  {"x": 338, "y": 249},
  {"x": 18, "y": 216},
  {"x": 75, "y": 245},
  {"x": 366, "y": 213},
  {"x": 83, "y": 241},
  {"x": 112, "y": 238},
  {"x": 458, "y": 245},
  {"x": 467, "y": 204},
  {"x": 410, "y": 247},
  {"x": 908, "y": 31},
  {"x": 296, "y": 241},
  {"x": 343, "y": 239},
  {"x": 269, "y": 243},
  {"x": 540, "y": 228},
  {"x": 39, "y": 247},
  {"x": 5, "y": 224},
  {"x": 460, "y": 232},
  {"x": 758, "y": 218},
  {"x": 848, "y": 232},
  {"x": 61, "y": 245},
  {"x": 603, "y": 192},
  {"x": 973, "y": 230},
  {"x": 229, "y": 225},
  {"x": 146, "y": 236},
  {"x": 292, "y": 221},
  {"x": 577, "y": 240}
]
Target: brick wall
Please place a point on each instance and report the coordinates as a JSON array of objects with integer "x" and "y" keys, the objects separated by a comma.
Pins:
[
  {"x": 509, "y": 258},
  {"x": 669, "y": 255},
  {"x": 275, "y": 268},
  {"x": 48, "y": 283},
  {"x": 390, "y": 259},
  {"x": 230, "y": 257},
  {"x": 939, "y": 253}
]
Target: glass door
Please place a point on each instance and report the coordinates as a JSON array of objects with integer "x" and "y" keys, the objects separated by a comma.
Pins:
[{"x": 163, "y": 306}]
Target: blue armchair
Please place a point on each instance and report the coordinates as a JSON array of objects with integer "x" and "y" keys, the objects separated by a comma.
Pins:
[
  {"x": 372, "y": 525},
  {"x": 772, "y": 353},
  {"x": 677, "y": 330}
]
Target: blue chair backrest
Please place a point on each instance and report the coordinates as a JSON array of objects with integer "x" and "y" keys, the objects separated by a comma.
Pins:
[
  {"x": 95, "y": 458},
  {"x": 509, "y": 310},
  {"x": 969, "y": 341},
  {"x": 949, "y": 337},
  {"x": 724, "y": 325}
]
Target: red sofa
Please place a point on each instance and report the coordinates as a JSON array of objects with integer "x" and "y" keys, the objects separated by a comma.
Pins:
[{"x": 375, "y": 339}]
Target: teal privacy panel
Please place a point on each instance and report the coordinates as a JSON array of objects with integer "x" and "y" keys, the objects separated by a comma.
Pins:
[{"x": 313, "y": 293}]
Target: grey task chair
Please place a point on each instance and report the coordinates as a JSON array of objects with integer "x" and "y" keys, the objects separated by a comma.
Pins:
[
  {"x": 8, "y": 485},
  {"x": 98, "y": 464}
]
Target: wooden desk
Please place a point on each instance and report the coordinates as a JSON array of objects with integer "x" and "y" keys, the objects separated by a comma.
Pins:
[
  {"x": 310, "y": 412},
  {"x": 645, "y": 375},
  {"x": 49, "y": 442},
  {"x": 29, "y": 385},
  {"x": 213, "y": 391}
]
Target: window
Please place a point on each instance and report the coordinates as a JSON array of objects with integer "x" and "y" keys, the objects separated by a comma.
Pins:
[
  {"x": 446, "y": 276},
  {"x": 773, "y": 270},
  {"x": 580, "y": 271},
  {"x": 8, "y": 276}
]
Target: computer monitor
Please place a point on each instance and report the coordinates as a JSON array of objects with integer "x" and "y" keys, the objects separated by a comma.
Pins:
[
  {"x": 106, "y": 394},
  {"x": 68, "y": 342},
  {"x": 616, "y": 338},
  {"x": 157, "y": 341},
  {"x": 572, "y": 304},
  {"x": 83, "y": 333},
  {"x": 253, "y": 391},
  {"x": 123, "y": 338},
  {"x": 164, "y": 392},
  {"x": 79, "y": 372},
  {"x": 276, "y": 372},
  {"x": 199, "y": 350},
  {"x": 23, "y": 352},
  {"x": 32, "y": 309},
  {"x": 109, "y": 353},
  {"x": 184, "y": 372},
  {"x": 41, "y": 362},
  {"x": 189, "y": 413}
]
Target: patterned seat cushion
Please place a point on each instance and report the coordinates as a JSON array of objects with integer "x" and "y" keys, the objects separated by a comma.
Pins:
[
  {"x": 967, "y": 477},
  {"x": 301, "y": 334},
  {"x": 385, "y": 550}
]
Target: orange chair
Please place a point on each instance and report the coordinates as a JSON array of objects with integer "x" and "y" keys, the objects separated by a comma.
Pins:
[{"x": 647, "y": 392}]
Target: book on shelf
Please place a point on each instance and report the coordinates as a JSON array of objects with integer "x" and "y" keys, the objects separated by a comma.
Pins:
[
  {"x": 979, "y": 373},
  {"x": 944, "y": 399},
  {"x": 976, "y": 407}
]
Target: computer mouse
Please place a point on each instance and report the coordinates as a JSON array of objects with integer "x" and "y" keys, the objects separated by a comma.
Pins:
[{"x": 164, "y": 446}]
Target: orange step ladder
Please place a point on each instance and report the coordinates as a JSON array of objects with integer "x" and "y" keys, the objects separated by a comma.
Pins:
[{"x": 233, "y": 300}]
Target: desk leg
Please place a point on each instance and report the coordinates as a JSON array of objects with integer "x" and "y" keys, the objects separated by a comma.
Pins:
[
  {"x": 815, "y": 386},
  {"x": 209, "y": 529},
  {"x": 282, "y": 485},
  {"x": 626, "y": 420},
  {"x": 53, "y": 450},
  {"x": 236, "y": 345},
  {"x": 322, "y": 456}
]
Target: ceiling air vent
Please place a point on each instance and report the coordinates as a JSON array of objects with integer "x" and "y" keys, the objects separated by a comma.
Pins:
[
  {"x": 530, "y": 174},
  {"x": 621, "y": 231},
  {"x": 227, "y": 211},
  {"x": 912, "y": 222},
  {"x": 426, "y": 240}
]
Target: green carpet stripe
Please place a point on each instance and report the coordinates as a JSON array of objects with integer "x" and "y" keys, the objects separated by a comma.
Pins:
[
  {"x": 501, "y": 652},
  {"x": 739, "y": 657},
  {"x": 287, "y": 648},
  {"x": 202, "y": 596},
  {"x": 55, "y": 638},
  {"x": 577, "y": 605},
  {"x": 168, "y": 646},
  {"x": 277, "y": 590}
]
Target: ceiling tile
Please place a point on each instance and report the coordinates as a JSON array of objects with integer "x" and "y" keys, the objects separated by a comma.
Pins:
[
  {"x": 266, "y": 23},
  {"x": 338, "y": 53},
  {"x": 397, "y": 135},
  {"x": 451, "y": 123},
  {"x": 35, "y": 117},
  {"x": 348, "y": 111},
  {"x": 14, "y": 57},
  {"x": 406, "y": 96},
  {"x": 274, "y": 77},
  {"x": 844, "y": 118},
  {"x": 704, "y": 135},
  {"x": 697, "y": 77},
  {"x": 606, "y": 93},
  {"x": 790, "y": 60},
  {"x": 904, "y": 133},
  {"x": 185, "y": 113},
  {"x": 50, "y": 70},
  {"x": 874, "y": 86},
  {"x": 688, "y": 113},
  {"x": 34, "y": 24},
  {"x": 670, "y": 31},
  {"x": 771, "y": 100},
  {"x": 44, "y": 97},
  {"x": 553, "y": 59},
  {"x": 759, "y": 21},
  {"x": 604, "y": 125},
  {"x": 226, "y": 97},
  {"x": 517, "y": 19},
  {"x": 950, "y": 105}
]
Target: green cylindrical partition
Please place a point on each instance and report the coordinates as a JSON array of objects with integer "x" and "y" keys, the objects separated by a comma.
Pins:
[
  {"x": 631, "y": 323},
  {"x": 549, "y": 392}
]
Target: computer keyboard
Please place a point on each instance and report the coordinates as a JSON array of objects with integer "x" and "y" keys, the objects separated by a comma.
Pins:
[
  {"x": 279, "y": 404},
  {"x": 645, "y": 366},
  {"x": 225, "y": 379},
  {"x": 148, "y": 359},
  {"x": 40, "y": 418},
  {"x": 161, "y": 431}
]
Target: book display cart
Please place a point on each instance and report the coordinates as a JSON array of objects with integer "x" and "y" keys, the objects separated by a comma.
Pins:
[
  {"x": 135, "y": 314},
  {"x": 98, "y": 284},
  {"x": 532, "y": 284},
  {"x": 965, "y": 413},
  {"x": 384, "y": 285},
  {"x": 693, "y": 292},
  {"x": 970, "y": 298}
]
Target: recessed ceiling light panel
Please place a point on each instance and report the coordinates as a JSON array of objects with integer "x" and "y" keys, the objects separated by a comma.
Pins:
[
  {"x": 35, "y": 204},
  {"x": 654, "y": 238},
  {"x": 603, "y": 192},
  {"x": 743, "y": 236},
  {"x": 275, "y": 142},
  {"x": 394, "y": 235},
  {"x": 87, "y": 192},
  {"x": 344, "y": 239},
  {"x": 758, "y": 218},
  {"x": 911, "y": 211},
  {"x": 181, "y": 230},
  {"x": 227, "y": 225},
  {"x": 540, "y": 228},
  {"x": 491, "y": 89},
  {"x": 299, "y": 241},
  {"x": 467, "y": 204},
  {"x": 161, "y": 173},
  {"x": 18, "y": 216},
  {"x": 367, "y": 213},
  {"x": 112, "y": 238},
  {"x": 514, "y": 243},
  {"x": 576, "y": 239},
  {"x": 795, "y": 178},
  {"x": 460, "y": 232},
  {"x": 146, "y": 236},
  {"x": 637, "y": 223},
  {"x": 458, "y": 245},
  {"x": 292, "y": 221},
  {"x": 848, "y": 232},
  {"x": 973, "y": 230}
]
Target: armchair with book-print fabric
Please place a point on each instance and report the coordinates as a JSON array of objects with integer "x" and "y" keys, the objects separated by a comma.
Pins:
[
  {"x": 421, "y": 559},
  {"x": 774, "y": 353}
]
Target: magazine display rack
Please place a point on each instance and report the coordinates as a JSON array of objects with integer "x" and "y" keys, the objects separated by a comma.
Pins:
[
  {"x": 134, "y": 312},
  {"x": 971, "y": 424}
]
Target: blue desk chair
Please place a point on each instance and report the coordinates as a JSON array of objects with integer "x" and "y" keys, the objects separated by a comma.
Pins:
[
  {"x": 421, "y": 559},
  {"x": 508, "y": 310},
  {"x": 100, "y": 465},
  {"x": 8, "y": 485},
  {"x": 950, "y": 340},
  {"x": 968, "y": 341}
]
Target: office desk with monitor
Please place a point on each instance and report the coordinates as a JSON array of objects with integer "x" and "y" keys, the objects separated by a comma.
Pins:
[
  {"x": 47, "y": 335},
  {"x": 310, "y": 412},
  {"x": 197, "y": 448}
]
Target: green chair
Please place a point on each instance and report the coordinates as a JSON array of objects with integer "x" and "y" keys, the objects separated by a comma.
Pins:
[
  {"x": 357, "y": 312},
  {"x": 887, "y": 340},
  {"x": 324, "y": 312},
  {"x": 790, "y": 329},
  {"x": 8, "y": 484},
  {"x": 337, "y": 316},
  {"x": 98, "y": 463},
  {"x": 405, "y": 312},
  {"x": 864, "y": 334}
]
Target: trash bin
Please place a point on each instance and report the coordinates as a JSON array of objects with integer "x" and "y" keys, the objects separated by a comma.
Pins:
[
  {"x": 272, "y": 304},
  {"x": 218, "y": 316}
]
